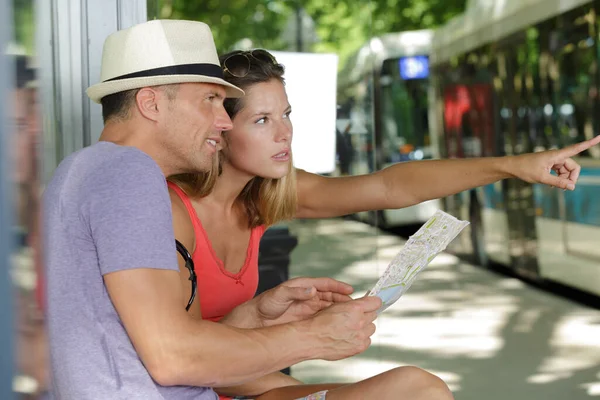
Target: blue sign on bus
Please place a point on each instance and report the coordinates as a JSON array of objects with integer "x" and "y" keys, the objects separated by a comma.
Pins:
[{"x": 414, "y": 67}]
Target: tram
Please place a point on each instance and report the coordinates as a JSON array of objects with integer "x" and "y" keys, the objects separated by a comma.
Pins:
[
  {"x": 383, "y": 93},
  {"x": 521, "y": 76}
]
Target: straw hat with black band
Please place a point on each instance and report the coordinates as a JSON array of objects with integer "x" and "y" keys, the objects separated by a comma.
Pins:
[{"x": 159, "y": 52}]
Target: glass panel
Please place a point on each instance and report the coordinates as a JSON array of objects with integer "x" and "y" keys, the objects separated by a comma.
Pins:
[
  {"x": 404, "y": 122},
  {"x": 355, "y": 123},
  {"x": 578, "y": 115},
  {"x": 577, "y": 104}
]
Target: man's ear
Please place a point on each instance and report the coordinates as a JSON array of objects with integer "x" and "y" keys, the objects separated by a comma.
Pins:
[{"x": 147, "y": 101}]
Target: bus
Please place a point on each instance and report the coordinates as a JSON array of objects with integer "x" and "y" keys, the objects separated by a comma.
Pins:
[
  {"x": 386, "y": 79},
  {"x": 522, "y": 76}
]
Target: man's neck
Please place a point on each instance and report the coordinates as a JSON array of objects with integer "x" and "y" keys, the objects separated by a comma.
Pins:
[{"x": 128, "y": 134}]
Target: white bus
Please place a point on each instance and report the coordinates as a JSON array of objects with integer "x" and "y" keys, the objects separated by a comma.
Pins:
[
  {"x": 388, "y": 80},
  {"x": 517, "y": 76}
]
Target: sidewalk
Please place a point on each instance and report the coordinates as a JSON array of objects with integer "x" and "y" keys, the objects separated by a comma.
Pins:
[{"x": 489, "y": 337}]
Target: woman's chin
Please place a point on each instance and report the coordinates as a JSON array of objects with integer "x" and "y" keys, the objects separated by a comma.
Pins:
[
  {"x": 274, "y": 174},
  {"x": 273, "y": 177}
]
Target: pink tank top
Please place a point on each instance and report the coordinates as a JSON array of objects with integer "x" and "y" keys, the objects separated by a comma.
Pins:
[{"x": 219, "y": 290}]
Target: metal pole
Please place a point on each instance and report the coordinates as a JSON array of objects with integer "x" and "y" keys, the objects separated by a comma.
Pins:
[{"x": 6, "y": 300}]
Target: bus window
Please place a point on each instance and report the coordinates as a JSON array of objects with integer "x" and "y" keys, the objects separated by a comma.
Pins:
[
  {"x": 469, "y": 109},
  {"x": 404, "y": 120},
  {"x": 577, "y": 107}
]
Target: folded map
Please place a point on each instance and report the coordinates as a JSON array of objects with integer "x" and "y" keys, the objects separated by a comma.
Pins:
[{"x": 420, "y": 249}]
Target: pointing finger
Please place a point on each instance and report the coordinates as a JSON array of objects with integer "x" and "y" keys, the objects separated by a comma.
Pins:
[{"x": 579, "y": 147}]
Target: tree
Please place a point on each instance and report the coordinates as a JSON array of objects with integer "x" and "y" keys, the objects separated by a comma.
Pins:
[
  {"x": 23, "y": 24},
  {"x": 404, "y": 15},
  {"x": 343, "y": 26},
  {"x": 233, "y": 20}
]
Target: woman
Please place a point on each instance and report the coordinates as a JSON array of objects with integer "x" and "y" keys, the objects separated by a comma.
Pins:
[{"x": 253, "y": 185}]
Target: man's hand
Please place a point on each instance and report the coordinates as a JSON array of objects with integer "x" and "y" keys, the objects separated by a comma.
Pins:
[
  {"x": 344, "y": 329},
  {"x": 298, "y": 299},
  {"x": 537, "y": 167}
]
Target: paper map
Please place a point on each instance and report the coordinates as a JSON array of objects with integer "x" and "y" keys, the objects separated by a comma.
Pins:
[{"x": 420, "y": 249}]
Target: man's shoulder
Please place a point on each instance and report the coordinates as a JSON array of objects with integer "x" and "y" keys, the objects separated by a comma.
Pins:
[
  {"x": 106, "y": 155},
  {"x": 106, "y": 160},
  {"x": 102, "y": 169}
]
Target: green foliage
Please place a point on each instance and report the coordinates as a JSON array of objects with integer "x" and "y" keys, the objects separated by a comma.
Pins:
[
  {"x": 23, "y": 24},
  {"x": 231, "y": 21},
  {"x": 405, "y": 15},
  {"x": 342, "y": 26}
]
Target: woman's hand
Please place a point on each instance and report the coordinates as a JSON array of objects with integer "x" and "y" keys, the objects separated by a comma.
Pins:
[
  {"x": 290, "y": 301},
  {"x": 537, "y": 167},
  {"x": 299, "y": 298}
]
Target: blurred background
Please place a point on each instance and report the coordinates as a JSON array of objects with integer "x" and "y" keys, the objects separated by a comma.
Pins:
[{"x": 511, "y": 310}]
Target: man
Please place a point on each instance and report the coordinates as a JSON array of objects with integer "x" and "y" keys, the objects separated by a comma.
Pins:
[{"x": 116, "y": 325}]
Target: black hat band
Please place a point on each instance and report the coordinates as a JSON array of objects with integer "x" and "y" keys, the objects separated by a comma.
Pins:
[{"x": 211, "y": 70}]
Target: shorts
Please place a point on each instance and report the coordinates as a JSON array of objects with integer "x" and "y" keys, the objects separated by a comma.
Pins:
[{"x": 315, "y": 396}]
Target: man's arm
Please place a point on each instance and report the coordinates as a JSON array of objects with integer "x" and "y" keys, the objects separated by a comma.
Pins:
[
  {"x": 180, "y": 350},
  {"x": 294, "y": 300},
  {"x": 129, "y": 214}
]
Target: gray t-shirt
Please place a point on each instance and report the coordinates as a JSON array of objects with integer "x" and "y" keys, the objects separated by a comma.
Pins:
[{"x": 106, "y": 209}]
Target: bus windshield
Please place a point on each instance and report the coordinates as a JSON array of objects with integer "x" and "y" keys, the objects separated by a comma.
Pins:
[{"x": 403, "y": 119}]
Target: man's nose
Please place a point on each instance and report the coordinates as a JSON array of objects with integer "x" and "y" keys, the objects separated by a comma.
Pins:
[{"x": 222, "y": 121}]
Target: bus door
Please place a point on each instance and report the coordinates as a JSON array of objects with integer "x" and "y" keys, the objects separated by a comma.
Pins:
[
  {"x": 401, "y": 114},
  {"x": 456, "y": 105},
  {"x": 515, "y": 98},
  {"x": 578, "y": 113}
]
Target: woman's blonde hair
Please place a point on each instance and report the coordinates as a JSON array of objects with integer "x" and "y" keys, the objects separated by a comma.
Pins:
[
  {"x": 269, "y": 201},
  {"x": 198, "y": 184},
  {"x": 266, "y": 201}
]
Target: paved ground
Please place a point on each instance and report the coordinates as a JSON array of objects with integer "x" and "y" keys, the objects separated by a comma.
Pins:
[{"x": 488, "y": 336}]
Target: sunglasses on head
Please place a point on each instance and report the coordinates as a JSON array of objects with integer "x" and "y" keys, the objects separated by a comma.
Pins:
[
  {"x": 189, "y": 264},
  {"x": 239, "y": 63}
]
